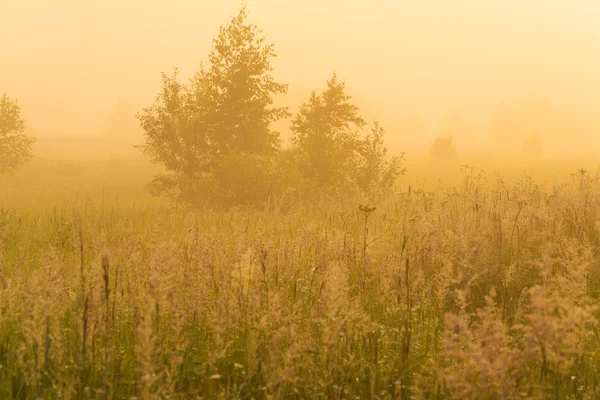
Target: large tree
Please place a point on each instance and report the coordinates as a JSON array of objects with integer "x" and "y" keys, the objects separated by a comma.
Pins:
[
  {"x": 219, "y": 125},
  {"x": 239, "y": 90},
  {"x": 331, "y": 154},
  {"x": 15, "y": 145}
]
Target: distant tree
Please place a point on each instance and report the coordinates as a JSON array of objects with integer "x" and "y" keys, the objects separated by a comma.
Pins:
[
  {"x": 460, "y": 128},
  {"x": 330, "y": 154},
  {"x": 510, "y": 125},
  {"x": 443, "y": 149},
  {"x": 533, "y": 145},
  {"x": 15, "y": 145},
  {"x": 219, "y": 126}
]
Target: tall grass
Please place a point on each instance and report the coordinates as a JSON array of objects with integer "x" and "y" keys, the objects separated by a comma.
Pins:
[{"x": 486, "y": 290}]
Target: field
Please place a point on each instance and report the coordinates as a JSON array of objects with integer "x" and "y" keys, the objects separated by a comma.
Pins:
[{"x": 472, "y": 285}]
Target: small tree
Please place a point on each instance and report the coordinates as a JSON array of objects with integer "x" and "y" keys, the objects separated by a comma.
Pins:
[
  {"x": 213, "y": 130},
  {"x": 443, "y": 149},
  {"x": 326, "y": 133},
  {"x": 377, "y": 173},
  {"x": 172, "y": 141},
  {"x": 15, "y": 146},
  {"x": 330, "y": 154}
]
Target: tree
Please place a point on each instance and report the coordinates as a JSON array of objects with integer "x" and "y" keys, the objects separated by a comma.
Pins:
[
  {"x": 239, "y": 90},
  {"x": 331, "y": 156},
  {"x": 219, "y": 125},
  {"x": 377, "y": 173},
  {"x": 325, "y": 131},
  {"x": 443, "y": 149},
  {"x": 15, "y": 145}
]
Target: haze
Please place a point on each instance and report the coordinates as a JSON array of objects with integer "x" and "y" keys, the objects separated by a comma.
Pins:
[{"x": 417, "y": 66}]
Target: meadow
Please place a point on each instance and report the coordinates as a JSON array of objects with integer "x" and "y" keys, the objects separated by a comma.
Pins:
[{"x": 464, "y": 284}]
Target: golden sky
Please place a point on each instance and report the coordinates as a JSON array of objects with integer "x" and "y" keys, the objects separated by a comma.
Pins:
[{"x": 411, "y": 64}]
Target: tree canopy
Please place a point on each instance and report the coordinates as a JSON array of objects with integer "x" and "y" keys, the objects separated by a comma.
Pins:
[
  {"x": 325, "y": 132},
  {"x": 15, "y": 145},
  {"x": 332, "y": 155}
]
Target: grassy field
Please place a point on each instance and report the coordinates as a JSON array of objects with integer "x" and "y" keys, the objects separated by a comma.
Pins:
[
  {"x": 46, "y": 183},
  {"x": 475, "y": 285}
]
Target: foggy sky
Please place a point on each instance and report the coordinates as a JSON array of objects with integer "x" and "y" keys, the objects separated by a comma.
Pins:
[{"x": 411, "y": 64}]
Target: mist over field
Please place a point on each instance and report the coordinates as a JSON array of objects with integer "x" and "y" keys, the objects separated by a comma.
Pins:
[
  {"x": 299, "y": 199},
  {"x": 487, "y": 73}
]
